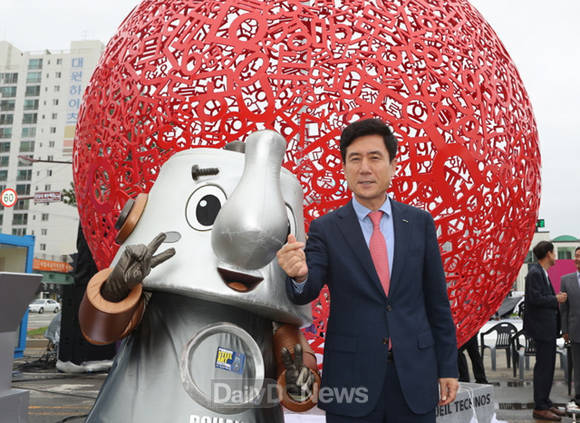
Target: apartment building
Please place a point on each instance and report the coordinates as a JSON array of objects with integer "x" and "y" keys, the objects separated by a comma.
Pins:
[{"x": 40, "y": 97}]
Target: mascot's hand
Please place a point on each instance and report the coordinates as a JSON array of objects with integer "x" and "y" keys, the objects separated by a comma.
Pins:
[
  {"x": 299, "y": 378},
  {"x": 133, "y": 266}
]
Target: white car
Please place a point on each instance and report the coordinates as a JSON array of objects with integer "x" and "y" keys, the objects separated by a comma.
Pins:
[{"x": 42, "y": 305}]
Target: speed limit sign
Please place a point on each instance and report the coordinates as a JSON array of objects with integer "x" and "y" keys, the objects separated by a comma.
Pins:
[{"x": 8, "y": 197}]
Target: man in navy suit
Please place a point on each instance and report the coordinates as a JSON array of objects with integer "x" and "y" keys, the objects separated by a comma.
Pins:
[
  {"x": 542, "y": 324},
  {"x": 390, "y": 344}
]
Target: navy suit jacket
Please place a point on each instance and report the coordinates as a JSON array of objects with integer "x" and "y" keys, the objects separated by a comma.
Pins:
[
  {"x": 416, "y": 314},
  {"x": 541, "y": 315}
]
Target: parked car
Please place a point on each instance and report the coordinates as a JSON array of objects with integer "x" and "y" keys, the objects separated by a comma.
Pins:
[{"x": 42, "y": 305}]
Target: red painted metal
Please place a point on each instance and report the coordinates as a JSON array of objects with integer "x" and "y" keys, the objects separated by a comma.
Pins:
[{"x": 180, "y": 74}]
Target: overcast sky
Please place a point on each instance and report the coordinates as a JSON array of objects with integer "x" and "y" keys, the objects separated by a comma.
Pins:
[{"x": 542, "y": 38}]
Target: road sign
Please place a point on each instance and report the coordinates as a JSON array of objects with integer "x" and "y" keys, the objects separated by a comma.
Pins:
[
  {"x": 8, "y": 197},
  {"x": 540, "y": 223},
  {"x": 47, "y": 197}
]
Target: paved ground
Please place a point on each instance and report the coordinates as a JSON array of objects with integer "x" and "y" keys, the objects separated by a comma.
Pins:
[{"x": 56, "y": 397}]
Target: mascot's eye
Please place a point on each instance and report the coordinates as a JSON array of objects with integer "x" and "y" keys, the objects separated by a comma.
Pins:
[
  {"x": 203, "y": 207},
  {"x": 291, "y": 221}
]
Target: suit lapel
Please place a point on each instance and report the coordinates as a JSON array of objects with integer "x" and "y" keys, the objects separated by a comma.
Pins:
[
  {"x": 402, "y": 235},
  {"x": 350, "y": 228},
  {"x": 546, "y": 280}
]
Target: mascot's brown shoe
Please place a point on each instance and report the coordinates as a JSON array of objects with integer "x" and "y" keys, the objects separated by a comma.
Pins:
[
  {"x": 557, "y": 411},
  {"x": 546, "y": 415}
]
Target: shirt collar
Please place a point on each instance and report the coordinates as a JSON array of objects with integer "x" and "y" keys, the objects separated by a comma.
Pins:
[
  {"x": 545, "y": 273},
  {"x": 362, "y": 212}
]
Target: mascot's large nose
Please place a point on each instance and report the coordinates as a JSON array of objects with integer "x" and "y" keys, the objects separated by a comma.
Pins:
[{"x": 252, "y": 226}]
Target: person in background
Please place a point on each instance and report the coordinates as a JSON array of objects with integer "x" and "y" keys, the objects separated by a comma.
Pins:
[
  {"x": 542, "y": 324},
  {"x": 476, "y": 362},
  {"x": 570, "y": 310}
]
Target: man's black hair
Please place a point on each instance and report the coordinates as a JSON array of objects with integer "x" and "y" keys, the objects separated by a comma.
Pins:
[
  {"x": 364, "y": 127},
  {"x": 542, "y": 249}
]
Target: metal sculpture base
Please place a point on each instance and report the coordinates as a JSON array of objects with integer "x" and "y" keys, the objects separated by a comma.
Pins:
[{"x": 473, "y": 401}]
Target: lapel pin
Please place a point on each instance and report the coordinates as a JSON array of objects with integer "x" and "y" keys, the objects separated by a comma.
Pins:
[{"x": 405, "y": 220}]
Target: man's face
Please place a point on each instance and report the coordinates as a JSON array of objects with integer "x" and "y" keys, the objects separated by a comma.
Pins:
[
  {"x": 368, "y": 170},
  {"x": 577, "y": 259},
  {"x": 551, "y": 258}
]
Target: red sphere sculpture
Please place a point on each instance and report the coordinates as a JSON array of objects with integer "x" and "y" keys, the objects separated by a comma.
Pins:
[{"x": 180, "y": 74}]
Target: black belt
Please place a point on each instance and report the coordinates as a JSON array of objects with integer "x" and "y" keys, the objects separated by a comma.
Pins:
[{"x": 390, "y": 356}]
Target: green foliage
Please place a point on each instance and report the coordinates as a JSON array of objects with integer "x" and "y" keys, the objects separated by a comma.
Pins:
[{"x": 69, "y": 197}]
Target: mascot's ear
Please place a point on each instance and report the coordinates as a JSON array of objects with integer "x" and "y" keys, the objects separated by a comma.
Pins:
[{"x": 129, "y": 217}]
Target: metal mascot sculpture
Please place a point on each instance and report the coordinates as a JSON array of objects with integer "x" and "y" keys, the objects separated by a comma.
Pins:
[
  {"x": 202, "y": 311},
  {"x": 181, "y": 74}
]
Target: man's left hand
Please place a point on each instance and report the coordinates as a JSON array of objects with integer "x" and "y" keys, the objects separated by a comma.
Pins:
[{"x": 448, "y": 387}]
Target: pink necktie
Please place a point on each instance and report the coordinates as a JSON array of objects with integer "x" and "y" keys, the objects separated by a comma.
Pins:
[{"x": 378, "y": 248}]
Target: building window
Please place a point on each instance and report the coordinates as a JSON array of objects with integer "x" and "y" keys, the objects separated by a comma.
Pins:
[
  {"x": 22, "y": 205},
  {"x": 31, "y": 104},
  {"x": 24, "y": 175},
  {"x": 1, "y": 219},
  {"x": 54, "y": 116},
  {"x": 8, "y": 92},
  {"x": 20, "y": 218},
  {"x": 565, "y": 253},
  {"x": 47, "y": 187},
  {"x": 55, "y": 101},
  {"x": 56, "y": 88},
  {"x": 50, "y": 158},
  {"x": 35, "y": 64},
  {"x": 5, "y": 133},
  {"x": 51, "y": 144},
  {"x": 44, "y": 217},
  {"x": 3, "y": 175},
  {"x": 4, "y": 147},
  {"x": 49, "y": 172},
  {"x": 29, "y": 132},
  {"x": 43, "y": 231},
  {"x": 4, "y": 160},
  {"x": 6, "y": 119},
  {"x": 23, "y": 189},
  {"x": 19, "y": 231},
  {"x": 57, "y": 74},
  {"x": 42, "y": 247},
  {"x": 7, "y": 105},
  {"x": 32, "y": 91},
  {"x": 53, "y": 130},
  {"x": 26, "y": 146},
  {"x": 30, "y": 118},
  {"x": 33, "y": 77},
  {"x": 9, "y": 78},
  {"x": 59, "y": 61}
]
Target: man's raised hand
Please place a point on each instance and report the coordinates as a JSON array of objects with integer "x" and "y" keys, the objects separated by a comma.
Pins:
[{"x": 292, "y": 259}]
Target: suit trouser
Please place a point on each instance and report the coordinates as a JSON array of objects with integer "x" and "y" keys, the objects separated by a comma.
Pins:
[
  {"x": 544, "y": 373},
  {"x": 576, "y": 366},
  {"x": 391, "y": 406},
  {"x": 476, "y": 362}
]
